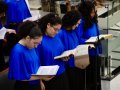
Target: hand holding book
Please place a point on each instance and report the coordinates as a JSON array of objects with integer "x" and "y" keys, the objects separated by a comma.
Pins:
[
  {"x": 47, "y": 70},
  {"x": 65, "y": 58},
  {"x": 3, "y": 32},
  {"x": 78, "y": 51},
  {"x": 80, "y": 54},
  {"x": 46, "y": 77},
  {"x": 42, "y": 77},
  {"x": 95, "y": 38}
]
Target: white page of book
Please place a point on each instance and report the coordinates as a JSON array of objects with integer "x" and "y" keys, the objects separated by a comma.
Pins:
[
  {"x": 82, "y": 50},
  {"x": 47, "y": 70},
  {"x": 95, "y": 38},
  {"x": 92, "y": 39},
  {"x": 2, "y": 33},
  {"x": 65, "y": 54}
]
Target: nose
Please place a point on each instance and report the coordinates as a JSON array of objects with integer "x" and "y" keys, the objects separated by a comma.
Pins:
[{"x": 4, "y": 14}]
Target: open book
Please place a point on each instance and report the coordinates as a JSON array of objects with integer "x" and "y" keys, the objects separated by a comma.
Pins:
[
  {"x": 2, "y": 33},
  {"x": 102, "y": 36},
  {"x": 47, "y": 70},
  {"x": 78, "y": 51}
]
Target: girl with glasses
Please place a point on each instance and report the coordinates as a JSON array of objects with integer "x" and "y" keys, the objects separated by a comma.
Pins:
[{"x": 50, "y": 47}]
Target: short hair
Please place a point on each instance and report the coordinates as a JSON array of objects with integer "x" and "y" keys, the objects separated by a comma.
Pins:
[
  {"x": 70, "y": 18},
  {"x": 3, "y": 7},
  {"x": 51, "y": 18},
  {"x": 28, "y": 28}
]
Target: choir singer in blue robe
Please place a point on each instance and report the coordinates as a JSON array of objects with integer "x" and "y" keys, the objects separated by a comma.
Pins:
[
  {"x": 18, "y": 10},
  {"x": 70, "y": 40},
  {"x": 89, "y": 28},
  {"x": 50, "y": 47},
  {"x": 23, "y": 60},
  {"x": 3, "y": 10}
]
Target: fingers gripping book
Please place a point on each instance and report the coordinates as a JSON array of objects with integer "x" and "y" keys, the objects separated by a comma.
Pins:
[
  {"x": 101, "y": 37},
  {"x": 76, "y": 52},
  {"x": 47, "y": 70},
  {"x": 80, "y": 54}
]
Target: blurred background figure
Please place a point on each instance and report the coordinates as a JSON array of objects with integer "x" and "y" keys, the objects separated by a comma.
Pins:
[
  {"x": 3, "y": 10},
  {"x": 18, "y": 10}
]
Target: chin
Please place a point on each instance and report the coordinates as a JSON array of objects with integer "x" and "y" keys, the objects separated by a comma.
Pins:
[
  {"x": 52, "y": 35},
  {"x": 30, "y": 47}
]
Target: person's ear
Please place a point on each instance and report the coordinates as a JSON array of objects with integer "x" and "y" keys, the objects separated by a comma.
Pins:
[
  {"x": 28, "y": 37},
  {"x": 48, "y": 25}
]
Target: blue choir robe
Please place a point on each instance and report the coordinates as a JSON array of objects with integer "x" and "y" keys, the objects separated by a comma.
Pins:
[
  {"x": 23, "y": 62},
  {"x": 17, "y": 11},
  {"x": 79, "y": 32},
  {"x": 90, "y": 32},
  {"x": 0, "y": 25},
  {"x": 70, "y": 41},
  {"x": 48, "y": 49}
]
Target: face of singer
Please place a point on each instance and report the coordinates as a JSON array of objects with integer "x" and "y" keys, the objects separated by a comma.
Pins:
[
  {"x": 2, "y": 17},
  {"x": 33, "y": 42},
  {"x": 76, "y": 25},
  {"x": 52, "y": 30},
  {"x": 92, "y": 14}
]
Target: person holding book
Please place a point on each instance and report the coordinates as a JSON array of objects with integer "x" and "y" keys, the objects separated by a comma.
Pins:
[
  {"x": 70, "y": 40},
  {"x": 23, "y": 61},
  {"x": 89, "y": 28},
  {"x": 3, "y": 9},
  {"x": 50, "y": 47}
]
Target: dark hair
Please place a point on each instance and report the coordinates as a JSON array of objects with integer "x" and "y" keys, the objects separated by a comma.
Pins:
[
  {"x": 28, "y": 28},
  {"x": 3, "y": 7},
  {"x": 51, "y": 18},
  {"x": 86, "y": 9},
  {"x": 70, "y": 18}
]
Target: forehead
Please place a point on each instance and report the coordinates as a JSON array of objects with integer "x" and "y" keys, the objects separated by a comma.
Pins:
[
  {"x": 57, "y": 25},
  {"x": 36, "y": 40},
  {"x": 38, "y": 37}
]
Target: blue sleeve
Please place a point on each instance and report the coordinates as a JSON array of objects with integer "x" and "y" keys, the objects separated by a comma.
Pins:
[
  {"x": 79, "y": 32},
  {"x": 0, "y": 25},
  {"x": 17, "y": 11},
  {"x": 60, "y": 35},
  {"x": 17, "y": 67}
]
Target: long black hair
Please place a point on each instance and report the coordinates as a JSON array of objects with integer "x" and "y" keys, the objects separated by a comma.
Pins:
[
  {"x": 28, "y": 28},
  {"x": 86, "y": 8},
  {"x": 51, "y": 18},
  {"x": 70, "y": 19}
]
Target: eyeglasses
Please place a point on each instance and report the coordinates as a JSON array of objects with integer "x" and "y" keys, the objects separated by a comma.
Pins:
[{"x": 55, "y": 29}]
